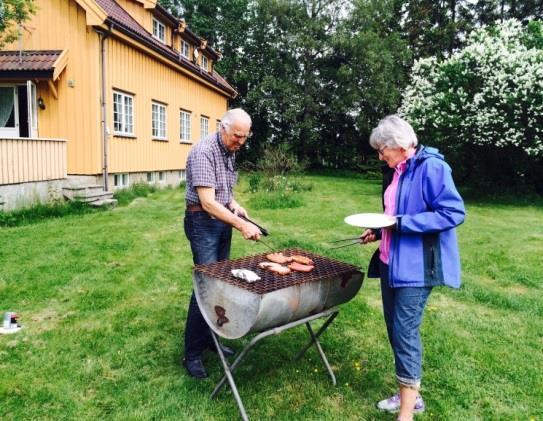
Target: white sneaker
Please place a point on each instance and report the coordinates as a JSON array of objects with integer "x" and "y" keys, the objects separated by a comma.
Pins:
[{"x": 392, "y": 404}]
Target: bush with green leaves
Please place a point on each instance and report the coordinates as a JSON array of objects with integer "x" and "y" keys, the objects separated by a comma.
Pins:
[
  {"x": 483, "y": 106},
  {"x": 278, "y": 170}
]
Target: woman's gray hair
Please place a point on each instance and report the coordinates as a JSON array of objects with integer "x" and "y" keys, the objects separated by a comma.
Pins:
[
  {"x": 235, "y": 115},
  {"x": 393, "y": 132}
]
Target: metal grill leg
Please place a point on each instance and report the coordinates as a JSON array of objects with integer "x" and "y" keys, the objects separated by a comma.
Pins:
[
  {"x": 228, "y": 374},
  {"x": 319, "y": 333},
  {"x": 322, "y": 354},
  {"x": 229, "y": 369},
  {"x": 315, "y": 340}
]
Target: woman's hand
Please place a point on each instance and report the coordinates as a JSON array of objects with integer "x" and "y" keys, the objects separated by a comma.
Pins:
[{"x": 368, "y": 236}]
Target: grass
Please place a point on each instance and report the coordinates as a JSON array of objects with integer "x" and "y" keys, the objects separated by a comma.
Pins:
[
  {"x": 103, "y": 298},
  {"x": 44, "y": 211}
]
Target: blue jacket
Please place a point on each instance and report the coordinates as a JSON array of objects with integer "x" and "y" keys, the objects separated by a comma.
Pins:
[{"x": 423, "y": 247}]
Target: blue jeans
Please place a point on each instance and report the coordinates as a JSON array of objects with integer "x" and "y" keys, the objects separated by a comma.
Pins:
[
  {"x": 210, "y": 241},
  {"x": 403, "y": 309}
]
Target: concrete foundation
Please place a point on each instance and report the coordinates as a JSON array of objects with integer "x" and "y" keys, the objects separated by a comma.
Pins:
[{"x": 17, "y": 196}]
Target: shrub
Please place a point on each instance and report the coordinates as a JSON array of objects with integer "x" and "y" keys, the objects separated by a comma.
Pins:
[
  {"x": 125, "y": 196},
  {"x": 483, "y": 106},
  {"x": 254, "y": 181},
  {"x": 279, "y": 161},
  {"x": 276, "y": 200}
]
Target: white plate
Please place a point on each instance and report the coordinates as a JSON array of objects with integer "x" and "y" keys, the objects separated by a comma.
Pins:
[{"x": 371, "y": 220}]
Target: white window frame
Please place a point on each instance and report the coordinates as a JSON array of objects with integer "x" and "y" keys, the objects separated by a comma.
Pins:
[
  {"x": 8, "y": 131},
  {"x": 159, "y": 30},
  {"x": 161, "y": 176},
  {"x": 121, "y": 180},
  {"x": 204, "y": 126},
  {"x": 205, "y": 62},
  {"x": 185, "y": 126},
  {"x": 151, "y": 177},
  {"x": 124, "y": 125},
  {"x": 159, "y": 121},
  {"x": 218, "y": 125},
  {"x": 185, "y": 49},
  {"x": 32, "y": 101},
  {"x": 32, "y": 111}
]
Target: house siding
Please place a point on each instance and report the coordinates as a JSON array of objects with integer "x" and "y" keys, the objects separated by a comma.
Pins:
[
  {"x": 75, "y": 115},
  {"x": 149, "y": 80}
]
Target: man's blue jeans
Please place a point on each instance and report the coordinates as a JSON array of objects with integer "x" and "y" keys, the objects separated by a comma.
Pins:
[
  {"x": 210, "y": 241},
  {"x": 403, "y": 309}
]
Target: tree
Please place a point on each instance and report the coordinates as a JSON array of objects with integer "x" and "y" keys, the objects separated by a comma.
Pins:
[
  {"x": 484, "y": 105},
  {"x": 14, "y": 13}
]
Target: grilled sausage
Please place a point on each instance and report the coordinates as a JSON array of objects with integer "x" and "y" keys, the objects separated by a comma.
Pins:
[
  {"x": 302, "y": 259},
  {"x": 278, "y": 258},
  {"x": 274, "y": 267},
  {"x": 298, "y": 267}
]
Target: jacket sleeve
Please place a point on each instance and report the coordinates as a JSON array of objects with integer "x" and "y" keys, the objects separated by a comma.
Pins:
[{"x": 444, "y": 206}]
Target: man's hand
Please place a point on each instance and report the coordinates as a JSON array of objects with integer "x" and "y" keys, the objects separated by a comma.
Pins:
[
  {"x": 238, "y": 210},
  {"x": 250, "y": 231},
  {"x": 368, "y": 236}
]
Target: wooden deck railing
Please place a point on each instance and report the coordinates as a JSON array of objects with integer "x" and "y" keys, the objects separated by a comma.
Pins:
[{"x": 29, "y": 159}]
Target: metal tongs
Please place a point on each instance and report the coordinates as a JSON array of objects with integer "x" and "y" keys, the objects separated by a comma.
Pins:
[
  {"x": 263, "y": 230},
  {"x": 352, "y": 243}
]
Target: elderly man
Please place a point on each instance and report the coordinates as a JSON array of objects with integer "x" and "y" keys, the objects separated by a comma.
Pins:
[{"x": 210, "y": 215}]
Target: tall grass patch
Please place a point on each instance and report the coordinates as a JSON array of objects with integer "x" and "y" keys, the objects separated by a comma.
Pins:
[
  {"x": 43, "y": 211},
  {"x": 125, "y": 196}
]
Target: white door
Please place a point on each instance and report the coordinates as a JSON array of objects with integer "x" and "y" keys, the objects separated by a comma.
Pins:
[
  {"x": 9, "y": 113},
  {"x": 32, "y": 109}
]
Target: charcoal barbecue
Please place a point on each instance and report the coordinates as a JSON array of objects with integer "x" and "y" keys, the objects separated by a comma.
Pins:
[{"x": 234, "y": 308}]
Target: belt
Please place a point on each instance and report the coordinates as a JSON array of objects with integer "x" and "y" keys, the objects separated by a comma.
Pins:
[{"x": 194, "y": 208}]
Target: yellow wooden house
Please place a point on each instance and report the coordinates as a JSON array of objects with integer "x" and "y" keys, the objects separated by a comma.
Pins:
[{"x": 103, "y": 92}]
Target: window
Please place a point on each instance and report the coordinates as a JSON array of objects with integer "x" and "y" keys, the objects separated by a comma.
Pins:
[
  {"x": 185, "y": 49},
  {"x": 204, "y": 62},
  {"x": 120, "y": 180},
  {"x": 161, "y": 176},
  {"x": 217, "y": 125},
  {"x": 204, "y": 126},
  {"x": 184, "y": 123},
  {"x": 123, "y": 113},
  {"x": 159, "y": 121},
  {"x": 159, "y": 31},
  {"x": 18, "y": 110},
  {"x": 150, "y": 177}
]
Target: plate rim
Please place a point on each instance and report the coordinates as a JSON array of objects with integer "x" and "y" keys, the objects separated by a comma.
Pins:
[{"x": 392, "y": 221}]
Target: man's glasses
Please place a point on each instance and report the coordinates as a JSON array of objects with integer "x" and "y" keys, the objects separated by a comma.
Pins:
[
  {"x": 381, "y": 150},
  {"x": 240, "y": 136}
]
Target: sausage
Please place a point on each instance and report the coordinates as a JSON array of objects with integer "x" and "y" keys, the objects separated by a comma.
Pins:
[
  {"x": 302, "y": 259},
  {"x": 278, "y": 258},
  {"x": 298, "y": 267},
  {"x": 274, "y": 268}
]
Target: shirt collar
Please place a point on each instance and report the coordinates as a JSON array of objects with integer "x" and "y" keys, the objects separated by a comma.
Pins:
[
  {"x": 223, "y": 149},
  {"x": 400, "y": 168}
]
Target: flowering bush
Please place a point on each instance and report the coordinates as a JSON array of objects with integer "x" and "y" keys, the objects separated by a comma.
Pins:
[{"x": 484, "y": 101}]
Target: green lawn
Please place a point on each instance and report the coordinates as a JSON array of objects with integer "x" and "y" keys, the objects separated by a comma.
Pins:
[{"x": 103, "y": 299}]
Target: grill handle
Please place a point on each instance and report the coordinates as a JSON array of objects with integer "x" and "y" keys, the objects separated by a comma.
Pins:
[{"x": 263, "y": 230}]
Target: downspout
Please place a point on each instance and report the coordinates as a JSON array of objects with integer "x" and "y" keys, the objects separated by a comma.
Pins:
[{"x": 103, "y": 114}]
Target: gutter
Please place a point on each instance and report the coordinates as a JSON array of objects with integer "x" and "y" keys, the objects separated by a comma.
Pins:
[{"x": 104, "y": 35}]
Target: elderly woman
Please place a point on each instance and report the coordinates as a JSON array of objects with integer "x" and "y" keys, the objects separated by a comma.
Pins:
[{"x": 418, "y": 253}]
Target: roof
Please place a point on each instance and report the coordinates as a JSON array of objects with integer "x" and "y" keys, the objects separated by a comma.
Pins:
[
  {"x": 123, "y": 22},
  {"x": 35, "y": 64}
]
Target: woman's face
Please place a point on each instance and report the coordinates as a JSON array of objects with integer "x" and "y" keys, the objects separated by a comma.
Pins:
[{"x": 392, "y": 156}]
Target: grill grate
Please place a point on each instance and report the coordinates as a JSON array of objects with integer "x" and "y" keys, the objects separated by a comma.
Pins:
[{"x": 325, "y": 268}]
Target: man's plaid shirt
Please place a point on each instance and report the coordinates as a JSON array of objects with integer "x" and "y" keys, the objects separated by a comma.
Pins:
[{"x": 210, "y": 165}]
